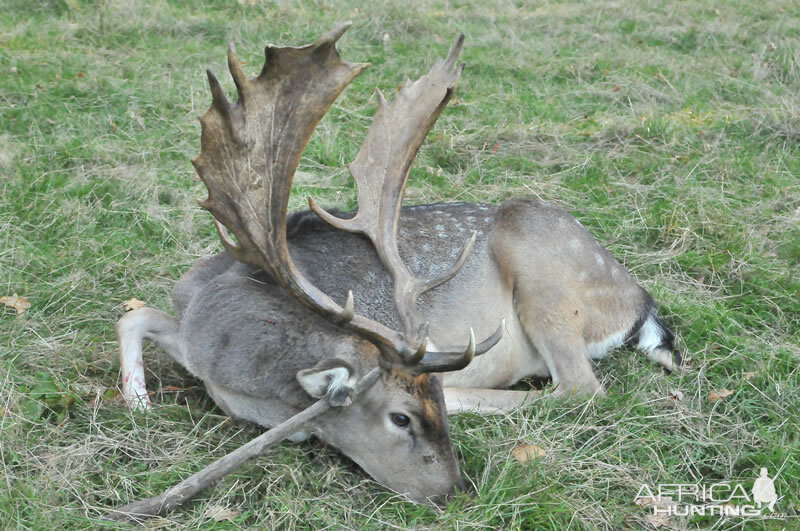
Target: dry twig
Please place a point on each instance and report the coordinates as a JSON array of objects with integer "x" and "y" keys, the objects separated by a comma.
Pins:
[{"x": 190, "y": 487}]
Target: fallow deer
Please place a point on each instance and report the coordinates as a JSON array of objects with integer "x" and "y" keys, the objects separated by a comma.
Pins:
[{"x": 259, "y": 323}]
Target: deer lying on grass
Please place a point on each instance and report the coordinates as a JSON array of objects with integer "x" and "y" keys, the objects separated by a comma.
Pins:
[{"x": 259, "y": 325}]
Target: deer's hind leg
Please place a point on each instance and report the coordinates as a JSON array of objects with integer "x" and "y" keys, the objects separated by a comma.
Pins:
[
  {"x": 132, "y": 328},
  {"x": 555, "y": 333}
]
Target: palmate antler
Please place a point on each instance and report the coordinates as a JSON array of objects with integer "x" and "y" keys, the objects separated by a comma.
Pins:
[{"x": 251, "y": 149}]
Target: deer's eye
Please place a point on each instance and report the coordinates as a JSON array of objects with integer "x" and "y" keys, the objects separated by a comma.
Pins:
[{"x": 400, "y": 420}]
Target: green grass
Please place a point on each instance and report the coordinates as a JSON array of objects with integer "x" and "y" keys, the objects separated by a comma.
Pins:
[{"x": 670, "y": 129}]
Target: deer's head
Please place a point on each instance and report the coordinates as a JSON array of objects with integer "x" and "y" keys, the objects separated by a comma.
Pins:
[{"x": 396, "y": 431}]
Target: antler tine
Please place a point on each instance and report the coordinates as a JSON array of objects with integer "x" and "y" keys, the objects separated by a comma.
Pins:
[
  {"x": 238, "y": 75},
  {"x": 453, "y": 361},
  {"x": 381, "y": 172}
]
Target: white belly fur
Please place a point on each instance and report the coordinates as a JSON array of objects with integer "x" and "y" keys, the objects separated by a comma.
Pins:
[
  {"x": 510, "y": 360},
  {"x": 600, "y": 349}
]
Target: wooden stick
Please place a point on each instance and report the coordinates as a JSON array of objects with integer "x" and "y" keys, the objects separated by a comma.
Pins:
[{"x": 189, "y": 488}]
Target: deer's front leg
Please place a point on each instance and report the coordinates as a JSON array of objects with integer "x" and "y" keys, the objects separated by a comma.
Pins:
[{"x": 132, "y": 328}]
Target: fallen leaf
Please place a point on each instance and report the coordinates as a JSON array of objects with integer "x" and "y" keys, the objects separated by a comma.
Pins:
[
  {"x": 528, "y": 452},
  {"x": 220, "y": 514},
  {"x": 616, "y": 88},
  {"x": 749, "y": 374},
  {"x": 18, "y": 303},
  {"x": 133, "y": 304},
  {"x": 713, "y": 396},
  {"x": 658, "y": 520},
  {"x": 676, "y": 395},
  {"x": 647, "y": 500}
]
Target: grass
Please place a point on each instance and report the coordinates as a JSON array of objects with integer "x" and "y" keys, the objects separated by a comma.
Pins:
[{"x": 670, "y": 129}]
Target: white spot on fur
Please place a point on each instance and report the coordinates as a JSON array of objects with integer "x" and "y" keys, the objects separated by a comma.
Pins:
[
  {"x": 575, "y": 244},
  {"x": 601, "y": 349},
  {"x": 598, "y": 259},
  {"x": 583, "y": 275},
  {"x": 650, "y": 335},
  {"x": 317, "y": 383},
  {"x": 300, "y": 436},
  {"x": 341, "y": 378}
]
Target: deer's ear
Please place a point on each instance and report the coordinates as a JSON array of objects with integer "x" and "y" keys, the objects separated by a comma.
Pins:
[{"x": 332, "y": 376}]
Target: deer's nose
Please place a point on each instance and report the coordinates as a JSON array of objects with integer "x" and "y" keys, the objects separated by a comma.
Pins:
[{"x": 459, "y": 487}]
